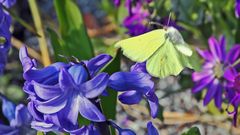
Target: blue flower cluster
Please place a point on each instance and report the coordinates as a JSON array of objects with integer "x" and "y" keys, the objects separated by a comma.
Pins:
[
  {"x": 60, "y": 92},
  {"x": 5, "y": 34},
  {"x": 18, "y": 117}
]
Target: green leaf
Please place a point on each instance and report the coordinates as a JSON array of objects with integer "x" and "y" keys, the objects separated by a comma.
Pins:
[
  {"x": 192, "y": 131},
  {"x": 72, "y": 30},
  {"x": 58, "y": 47},
  {"x": 109, "y": 102},
  {"x": 160, "y": 113}
]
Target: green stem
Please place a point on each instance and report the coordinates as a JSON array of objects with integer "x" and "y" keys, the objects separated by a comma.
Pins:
[{"x": 39, "y": 28}]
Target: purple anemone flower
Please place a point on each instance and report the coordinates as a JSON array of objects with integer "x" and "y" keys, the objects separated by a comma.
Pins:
[
  {"x": 233, "y": 92},
  {"x": 136, "y": 20},
  {"x": 151, "y": 129},
  {"x": 60, "y": 91},
  {"x": 215, "y": 64},
  {"x": 237, "y": 8},
  {"x": 18, "y": 117},
  {"x": 135, "y": 85},
  {"x": 5, "y": 37}
]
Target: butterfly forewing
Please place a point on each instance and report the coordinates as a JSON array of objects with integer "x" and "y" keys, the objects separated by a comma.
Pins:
[{"x": 140, "y": 48}]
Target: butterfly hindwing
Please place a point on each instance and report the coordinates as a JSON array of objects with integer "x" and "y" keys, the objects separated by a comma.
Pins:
[
  {"x": 184, "y": 49},
  {"x": 140, "y": 48},
  {"x": 167, "y": 61}
]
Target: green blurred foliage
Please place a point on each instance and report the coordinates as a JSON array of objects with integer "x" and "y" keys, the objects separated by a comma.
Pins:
[{"x": 192, "y": 131}]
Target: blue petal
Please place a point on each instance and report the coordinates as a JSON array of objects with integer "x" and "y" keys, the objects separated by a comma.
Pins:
[
  {"x": 95, "y": 86},
  {"x": 153, "y": 104},
  {"x": 98, "y": 62},
  {"x": 52, "y": 106},
  {"x": 47, "y": 75},
  {"x": 8, "y": 109},
  {"x": 8, "y": 3},
  {"x": 125, "y": 81},
  {"x": 34, "y": 112},
  {"x": 130, "y": 97},
  {"x": 46, "y": 92},
  {"x": 44, "y": 127},
  {"x": 78, "y": 73},
  {"x": 90, "y": 111},
  {"x": 81, "y": 131},
  {"x": 70, "y": 112},
  {"x": 140, "y": 67},
  {"x": 126, "y": 132},
  {"x": 66, "y": 81},
  {"x": 7, "y": 130},
  {"x": 22, "y": 116},
  {"x": 26, "y": 61},
  {"x": 151, "y": 129}
]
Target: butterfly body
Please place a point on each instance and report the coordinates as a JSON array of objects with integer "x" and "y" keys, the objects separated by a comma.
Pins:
[{"x": 164, "y": 51}]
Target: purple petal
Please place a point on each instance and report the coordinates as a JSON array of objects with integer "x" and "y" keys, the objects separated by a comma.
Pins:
[
  {"x": 222, "y": 43},
  {"x": 218, "y": 97},
  {"x": 237, "y": 9},
  {"x": 78, "y": 73},
  {"x": 202, "y": 84},
  {"x": 211, "y": 91},
  {"x": 214, "y": 48},
  {"x": 52, "y": 106},
  {"x": 95, "y": 86},
  {"x": 230, "y": 74},
  {"x": 130, "y": 97},
  {"x": 208, "y": 65},
  {"x": 125, "y": 81},
  {"x": 233, "y": 54},
  {"x": 151, "y": 129},
  {"x": 90, "y": 111},
  {"x": 197, "y": 76},
  {"x": 46, "y": 92},
  {"x": 205, "y": 54},
  {"x": 97, "y": 63}
]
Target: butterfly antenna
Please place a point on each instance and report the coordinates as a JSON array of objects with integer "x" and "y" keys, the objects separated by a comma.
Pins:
[
  {"x": 155, "y": 23},
  {"x": 169, "y": 18}
]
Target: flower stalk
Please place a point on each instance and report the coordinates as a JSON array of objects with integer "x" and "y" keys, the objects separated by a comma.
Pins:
[{"x": 39, "y": 29}]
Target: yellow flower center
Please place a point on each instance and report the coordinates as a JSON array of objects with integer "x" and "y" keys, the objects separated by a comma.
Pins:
[{"x": 218, "y": 70}]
